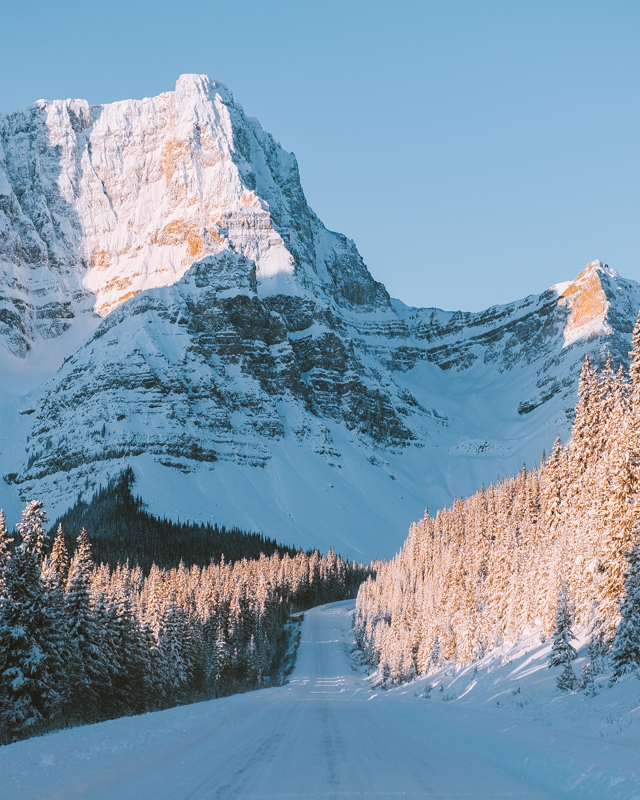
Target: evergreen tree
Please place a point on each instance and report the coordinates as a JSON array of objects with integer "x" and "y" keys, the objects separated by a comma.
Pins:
[
  {"x": 562, "y": 651},
  {"x": 32, "y": 529},
  {"x": 567, "y": 680},
  {"x": 27, "y": 633},
  {"x": 588, "y": 679},
  {"x": 54, "y": 576},
  {"x": 586, "y": 420},
  {"x": 626, "y": 647},
  {"x": 89, "y": 670},
  {"x": 634, "y": 367},
  {"x": 129, "y": 679},
  {"x": 5, "y": 553},
  {"x": 58, "y": 562}
]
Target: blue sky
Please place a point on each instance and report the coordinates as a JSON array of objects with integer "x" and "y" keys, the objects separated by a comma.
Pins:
[{"x": 476, "y": 152}]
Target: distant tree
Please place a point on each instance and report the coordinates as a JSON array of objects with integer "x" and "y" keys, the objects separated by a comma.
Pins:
[
  {"x": 54, "y": 576},
  {"x": 32, "y": 529},
  {"x": 634, "y": 368}
]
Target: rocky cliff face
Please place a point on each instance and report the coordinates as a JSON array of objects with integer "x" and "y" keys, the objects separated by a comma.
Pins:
[
  {"x": 104, "y": 202},
  {"x": 239, "y": 356}
]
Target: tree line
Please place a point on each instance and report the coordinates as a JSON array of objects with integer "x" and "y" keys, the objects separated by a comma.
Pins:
[
  {"x": 123, "y": 530},
  {"x": 82, "y": 642},
  {"x": 551, "y": 548}
]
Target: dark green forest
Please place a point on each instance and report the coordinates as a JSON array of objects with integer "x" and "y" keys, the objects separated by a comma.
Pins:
[{"x": 121, "y": 529}]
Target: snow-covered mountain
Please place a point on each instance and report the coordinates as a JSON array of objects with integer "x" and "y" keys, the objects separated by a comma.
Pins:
[{"x": 168, "y": 300}]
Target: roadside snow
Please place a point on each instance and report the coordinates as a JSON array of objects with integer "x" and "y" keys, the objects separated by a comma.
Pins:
[
  {"x": 514, "y": 681},
  {"x": 329, "y": 733}
]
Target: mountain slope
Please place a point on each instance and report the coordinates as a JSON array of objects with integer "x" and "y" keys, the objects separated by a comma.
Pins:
[{"x": 172, "y": 303}]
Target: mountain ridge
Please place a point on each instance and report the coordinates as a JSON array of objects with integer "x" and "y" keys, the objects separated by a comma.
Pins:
[{"x": 200, "y": 325}]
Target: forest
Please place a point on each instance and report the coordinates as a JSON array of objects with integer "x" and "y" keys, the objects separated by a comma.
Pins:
[
  {"x": 82, "y": 641},
  {"x": 121, "y": 529},
  {"x": 553, "y": 548}
]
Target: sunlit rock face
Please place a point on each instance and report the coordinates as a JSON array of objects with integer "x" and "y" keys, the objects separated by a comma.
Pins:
[
  {"x": 588, "y": 302},
  {"x": 169, "y": 301},
  {"x": 99, "y": 203}
]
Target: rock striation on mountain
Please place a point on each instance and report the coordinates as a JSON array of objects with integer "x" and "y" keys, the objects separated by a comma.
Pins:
[{"x": 168, "y": 300}]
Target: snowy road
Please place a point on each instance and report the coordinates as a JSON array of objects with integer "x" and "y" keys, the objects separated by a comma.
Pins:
[{"x": 325, "y": 735}]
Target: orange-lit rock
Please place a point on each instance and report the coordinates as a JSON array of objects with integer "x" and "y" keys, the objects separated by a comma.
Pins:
[{"x": 588, "y": 303}]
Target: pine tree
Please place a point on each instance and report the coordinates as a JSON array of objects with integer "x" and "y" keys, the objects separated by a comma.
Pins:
[
  {"x": 89, "y": 670},
  {"x": 132, "y": 658},
  {"x": 32, "y": 529},
  {"x": 5, "y": 553},
  {"x": 626, "y": 647},
  {"x": 27, "y": 632},
  {"x": 634, "y": 366},
  {"x": 54, "y": 577},
  {"x": 567, "y": 680},
  {"x": 59, "y": 559},
  {"x": 562, "y": 651},
  {"x": 586, "y": 419},
  {"x": 588, "y": 679}
]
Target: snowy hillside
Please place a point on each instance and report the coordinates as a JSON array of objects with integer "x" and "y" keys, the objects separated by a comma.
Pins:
[
  {"x": 170, "y": 302},
  {"x": 515, "y": 681}
]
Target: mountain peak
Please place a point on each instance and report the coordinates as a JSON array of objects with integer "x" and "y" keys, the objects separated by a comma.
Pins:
[
  {"x": 190, "y": 85},
  {"x": 587, "y": 300},
  {"x": 108, "y": 201}
]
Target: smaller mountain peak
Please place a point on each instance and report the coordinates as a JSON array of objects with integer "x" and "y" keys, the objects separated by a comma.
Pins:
[
  {"x": 588, "y": 303},
  {"x": 598, "y": 266}
]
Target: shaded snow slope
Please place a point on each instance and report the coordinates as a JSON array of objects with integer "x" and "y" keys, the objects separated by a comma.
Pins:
[
  {"x": 169, "y": 301},
  {"x": 326, "y": 733},
  {"x": 514, "y": 682}
]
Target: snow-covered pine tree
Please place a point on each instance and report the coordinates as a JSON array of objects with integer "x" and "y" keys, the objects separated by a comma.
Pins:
[
  {"x": 88, "y": 670},
  {"x": 586, "y": 419},
  {"x": 634, "y": 368},
  {"x": 436, "y": 654},
  {"x": 562, "y": 651},
  {"x": 58, "y": 561},
  {"x": 626, "y": 647},
  {"x": 5, "y": 552},
  {"x": 28, "y": 638},
  {"x": 54, "y": 576},
  {"x": 567, "y": 679},
  {"x": 615, "y": 495},
  {"x": 32, "y": 529},
  {"x": 132, "y": 658}
]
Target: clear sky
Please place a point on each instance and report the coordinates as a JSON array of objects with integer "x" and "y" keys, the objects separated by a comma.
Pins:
[{"x": 476, "y": 151}]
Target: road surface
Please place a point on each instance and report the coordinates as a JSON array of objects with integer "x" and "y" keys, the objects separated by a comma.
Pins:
[{"x": 327, "y": 734}]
